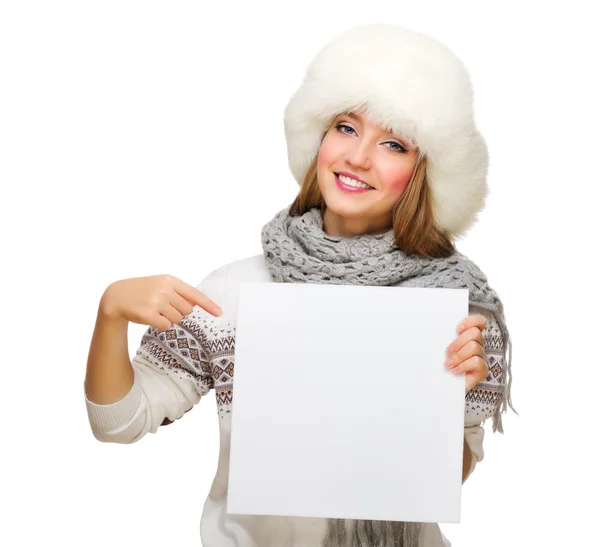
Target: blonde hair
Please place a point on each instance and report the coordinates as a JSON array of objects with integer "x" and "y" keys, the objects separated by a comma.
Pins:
[{"x": 414, "y": 226}]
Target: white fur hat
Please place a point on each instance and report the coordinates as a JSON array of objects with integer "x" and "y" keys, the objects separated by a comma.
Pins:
[{"x": 410, "y": 84}]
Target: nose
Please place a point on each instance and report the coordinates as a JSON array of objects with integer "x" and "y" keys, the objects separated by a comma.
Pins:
[{"x": 359, "y": 155}]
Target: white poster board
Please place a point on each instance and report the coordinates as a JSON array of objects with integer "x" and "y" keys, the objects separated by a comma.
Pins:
[{"x": 342, "y": 406}]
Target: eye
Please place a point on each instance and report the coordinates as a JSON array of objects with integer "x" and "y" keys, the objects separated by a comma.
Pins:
[
  {"x": 340, "y": 127},
  {"x": 400, "y": 148}
]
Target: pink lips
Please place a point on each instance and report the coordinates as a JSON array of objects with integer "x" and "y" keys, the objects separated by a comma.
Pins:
[{"x": 349, "y": 189}]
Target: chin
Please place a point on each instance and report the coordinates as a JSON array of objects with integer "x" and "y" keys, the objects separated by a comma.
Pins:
[{"x": 347, "y": 209}]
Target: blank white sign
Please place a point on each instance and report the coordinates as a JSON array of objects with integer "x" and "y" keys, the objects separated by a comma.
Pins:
[{"x": 342, "y": 406}]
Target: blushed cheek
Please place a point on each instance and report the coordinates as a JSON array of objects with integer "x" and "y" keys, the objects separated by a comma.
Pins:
[
  {"x": 397, "y": 182},
  {"x": 322, "y": 158},
  {"x": 326, "y": 153}
]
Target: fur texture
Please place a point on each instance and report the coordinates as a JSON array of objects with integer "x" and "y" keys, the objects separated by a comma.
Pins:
[{"x": 413, "y": 86}]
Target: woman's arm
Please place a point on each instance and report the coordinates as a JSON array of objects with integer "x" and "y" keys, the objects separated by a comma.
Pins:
[
  {"x": 109, "y": 374},
  {"x": 482, "y": 401},
  {"x": 166, "y": 377}
]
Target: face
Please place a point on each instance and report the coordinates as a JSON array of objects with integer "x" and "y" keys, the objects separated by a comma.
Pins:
[{"x": 356, "y": 152}]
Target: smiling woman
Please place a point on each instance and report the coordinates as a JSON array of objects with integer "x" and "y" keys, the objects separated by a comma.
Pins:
[{"x": 381, "y": 138}]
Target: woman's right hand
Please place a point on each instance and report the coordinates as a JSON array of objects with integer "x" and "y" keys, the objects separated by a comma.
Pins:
[{"x": 158, "y": 301}]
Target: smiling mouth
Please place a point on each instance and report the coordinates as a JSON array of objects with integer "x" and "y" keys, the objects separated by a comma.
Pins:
[{"x": 352, "y": 183}]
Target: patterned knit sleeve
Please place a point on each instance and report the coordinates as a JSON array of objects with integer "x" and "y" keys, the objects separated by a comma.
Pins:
[
  {"x": 171, "y": 374},
  {"x": 483, "y": 400}
]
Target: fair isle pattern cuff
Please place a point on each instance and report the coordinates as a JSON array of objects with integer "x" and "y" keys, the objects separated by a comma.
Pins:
[{"x": 106, "y": 418}]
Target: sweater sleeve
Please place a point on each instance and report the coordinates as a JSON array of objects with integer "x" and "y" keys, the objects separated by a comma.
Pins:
[
  {"x": 171, "y": 374},
  {"x": 482, "y": 401}
]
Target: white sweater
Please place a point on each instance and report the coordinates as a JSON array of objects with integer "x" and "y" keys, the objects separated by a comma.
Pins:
[{"x": 174, "y": 368}]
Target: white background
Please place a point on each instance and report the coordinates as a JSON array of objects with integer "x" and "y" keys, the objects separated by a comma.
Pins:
[{"x": 140, "y": 138}]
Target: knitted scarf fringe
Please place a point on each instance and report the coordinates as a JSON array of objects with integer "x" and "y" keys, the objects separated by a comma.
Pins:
[{"x": 373, "y": 533}]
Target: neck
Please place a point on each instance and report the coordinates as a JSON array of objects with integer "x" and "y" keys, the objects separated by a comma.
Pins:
[{"x": 336, "y": 225}]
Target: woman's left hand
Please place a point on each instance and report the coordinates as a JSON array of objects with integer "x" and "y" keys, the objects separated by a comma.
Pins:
[{"x": 466, "y": 353}]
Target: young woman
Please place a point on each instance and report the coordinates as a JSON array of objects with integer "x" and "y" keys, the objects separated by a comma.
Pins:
[{"x": 392, "y": 170}]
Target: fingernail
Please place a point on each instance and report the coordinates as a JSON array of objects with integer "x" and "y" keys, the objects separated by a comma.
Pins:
[
  {"x": 461, "y": 328},
  {"x": 449, "y": 362},
  {"x": 217, "y": 311},
  {"x": 449, "y": 351}
]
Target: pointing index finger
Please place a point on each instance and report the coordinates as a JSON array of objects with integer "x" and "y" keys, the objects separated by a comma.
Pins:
[{"x": 197, "y": 297}]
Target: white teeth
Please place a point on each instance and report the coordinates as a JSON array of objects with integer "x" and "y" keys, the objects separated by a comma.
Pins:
[{"x": 352, "y": 182}]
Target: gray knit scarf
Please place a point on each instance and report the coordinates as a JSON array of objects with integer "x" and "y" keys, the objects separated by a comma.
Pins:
[{"x": 297, "y": 250}]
